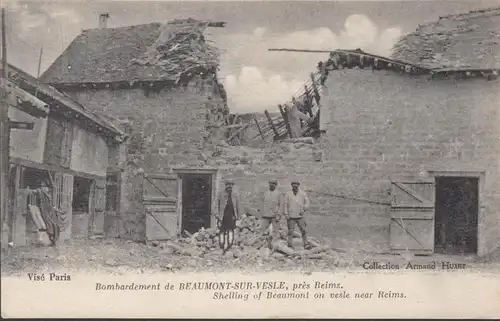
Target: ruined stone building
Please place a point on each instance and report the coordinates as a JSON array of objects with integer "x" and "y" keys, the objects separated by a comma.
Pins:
[
  {"x": 408, "y": 159},
  {"x": 425, "y": 121},
  {"x": 160, "y": 82},
  {"x": 68, "y": 148},
  {"x": 410, "y": 153}
]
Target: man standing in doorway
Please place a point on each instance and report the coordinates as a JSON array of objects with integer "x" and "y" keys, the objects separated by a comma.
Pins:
[
  {"x": 271, "y": 209},
  {"x": 296, "y": 205},
  {"x": 227, "y": 212}
]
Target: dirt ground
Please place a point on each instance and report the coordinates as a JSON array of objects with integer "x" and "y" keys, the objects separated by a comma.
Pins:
[{"x": 115, "y": 256}]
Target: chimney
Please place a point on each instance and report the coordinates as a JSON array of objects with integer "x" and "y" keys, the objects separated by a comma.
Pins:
[{"x": 103, "y": 20}]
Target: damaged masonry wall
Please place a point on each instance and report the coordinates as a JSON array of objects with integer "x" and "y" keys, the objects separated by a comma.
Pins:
[
  {"x": 167, "y": 129},
  {"x": 166, "y": 97}
]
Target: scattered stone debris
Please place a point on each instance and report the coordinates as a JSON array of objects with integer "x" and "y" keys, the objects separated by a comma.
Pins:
[{"x": 248, "y": 242}]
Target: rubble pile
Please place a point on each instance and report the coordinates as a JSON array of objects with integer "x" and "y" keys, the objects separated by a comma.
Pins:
[
  {"x": 249, "y": 242},
  {"x": 181, "y": 50}
]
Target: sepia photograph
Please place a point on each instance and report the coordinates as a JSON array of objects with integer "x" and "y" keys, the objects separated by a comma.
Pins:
[{"x": 148, "y": 138}]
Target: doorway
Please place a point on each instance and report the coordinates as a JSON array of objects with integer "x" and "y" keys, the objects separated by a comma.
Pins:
[
  {"x": 196, "y": 202},
  {"x": 81, "y": 207},
  {"x": 456, "y": 216}
]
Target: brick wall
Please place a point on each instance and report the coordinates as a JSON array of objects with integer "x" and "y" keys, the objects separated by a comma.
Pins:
[
  {"x": 383, "y": 125},
  {"x": 166, "y": 129}
]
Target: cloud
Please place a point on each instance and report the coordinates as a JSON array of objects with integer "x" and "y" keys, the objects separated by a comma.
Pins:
[
  {"x": 252, "y": 89},
  {"x": 30, "y": 16},
  {"x": 257, "y": 79}
]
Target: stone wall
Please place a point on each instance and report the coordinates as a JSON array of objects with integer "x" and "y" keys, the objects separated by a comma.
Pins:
[
  {"x": 346, "y": 223},
  {"x": 383, "y": 125},
  {"x": 166, "y": 129}
]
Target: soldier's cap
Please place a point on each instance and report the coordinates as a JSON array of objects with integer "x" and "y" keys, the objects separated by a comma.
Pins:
[
  {"x": 273, "y": 181},
  {"x": 295, "y": 183},
  {"x": 229, "y": 182}
]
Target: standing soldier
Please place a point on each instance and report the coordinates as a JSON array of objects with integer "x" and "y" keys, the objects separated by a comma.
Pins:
[
  {"x": 227, "y": 212},
  {"x": 271, "y": 208},
  {"x": 296, "y": 204}
]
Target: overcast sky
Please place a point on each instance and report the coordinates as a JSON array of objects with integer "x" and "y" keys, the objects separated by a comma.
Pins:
[{"x": 255, "y": 78}]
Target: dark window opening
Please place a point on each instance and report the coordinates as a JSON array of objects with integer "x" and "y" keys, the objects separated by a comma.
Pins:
[
  {"x": 456, "y": 220},
  {"x": 196, "y": 201},
  {"x": 33, "y": 178},
  {"x": 81, "y": 194}
]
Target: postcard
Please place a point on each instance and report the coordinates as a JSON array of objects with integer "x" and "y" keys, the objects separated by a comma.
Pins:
[{"x": 250, "y": 159}]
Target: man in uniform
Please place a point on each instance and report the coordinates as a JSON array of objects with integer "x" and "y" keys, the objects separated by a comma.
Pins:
[
  {"x": 227, "y": 212},
  {"x": 296, "y": 205},
  {"x": 271, "y": 208}
]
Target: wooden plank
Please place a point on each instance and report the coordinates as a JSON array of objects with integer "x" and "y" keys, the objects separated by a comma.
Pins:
[
  {"x": 66, "y": 144},
  {"x": 52, "y": 168},
  {"x": 412, "y": 217},
  {"x": 19, "y": 218},
  {"x": 235, "y": 118},
  {"x": 412, "y": 213},
  {"x": 307, "y": 101},
  {"x": 160, "y": 225},
  {"x": 92, "y": 196},
  {"x": 99, "y": 207},
  {"x": 299, "y": 50},
  {"x": 258, "y": 128},
  {"x": 237, "y": 132},
  {"x": 66, "y": 205},
  {"x": 160, "y": 195},
  {"x": 161, "y": 176},
  {"x": 414, "y": 194},
  {"x": 285, "y": 119},
  {"x": 233, "y": 126},
  {"x": 179, "y": 207},
  {"x": 410, "y": 191},
  {"x": 412, "y": 235},
  {"x": 271, "y": 124}
]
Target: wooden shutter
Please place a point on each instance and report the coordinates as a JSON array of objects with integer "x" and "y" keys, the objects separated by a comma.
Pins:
[
  {"x": 53, "y": 144},
  {"x": 160, "y": 203},
  {"x": 412, "y": 216},
  {"x": 66, "y": 204},
  {"x": 57, "y": 190},
  {"x": 111, "y": 215},
  {"x": 99, "y": 206},
  {"x": 66, "y": 144}
]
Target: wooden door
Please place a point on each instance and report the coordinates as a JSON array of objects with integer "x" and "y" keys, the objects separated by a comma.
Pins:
[
  {"x": 97, "y": 206},
  {"x": 160, "y": 204},
  {"x": 412, "y": 216}
]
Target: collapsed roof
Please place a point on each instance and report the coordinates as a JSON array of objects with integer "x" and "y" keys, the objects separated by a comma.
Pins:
[
  {"x": 466, "y": 45},
  {"x": 149, "y": 52},
  {"x": 466, "y": 40}
]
